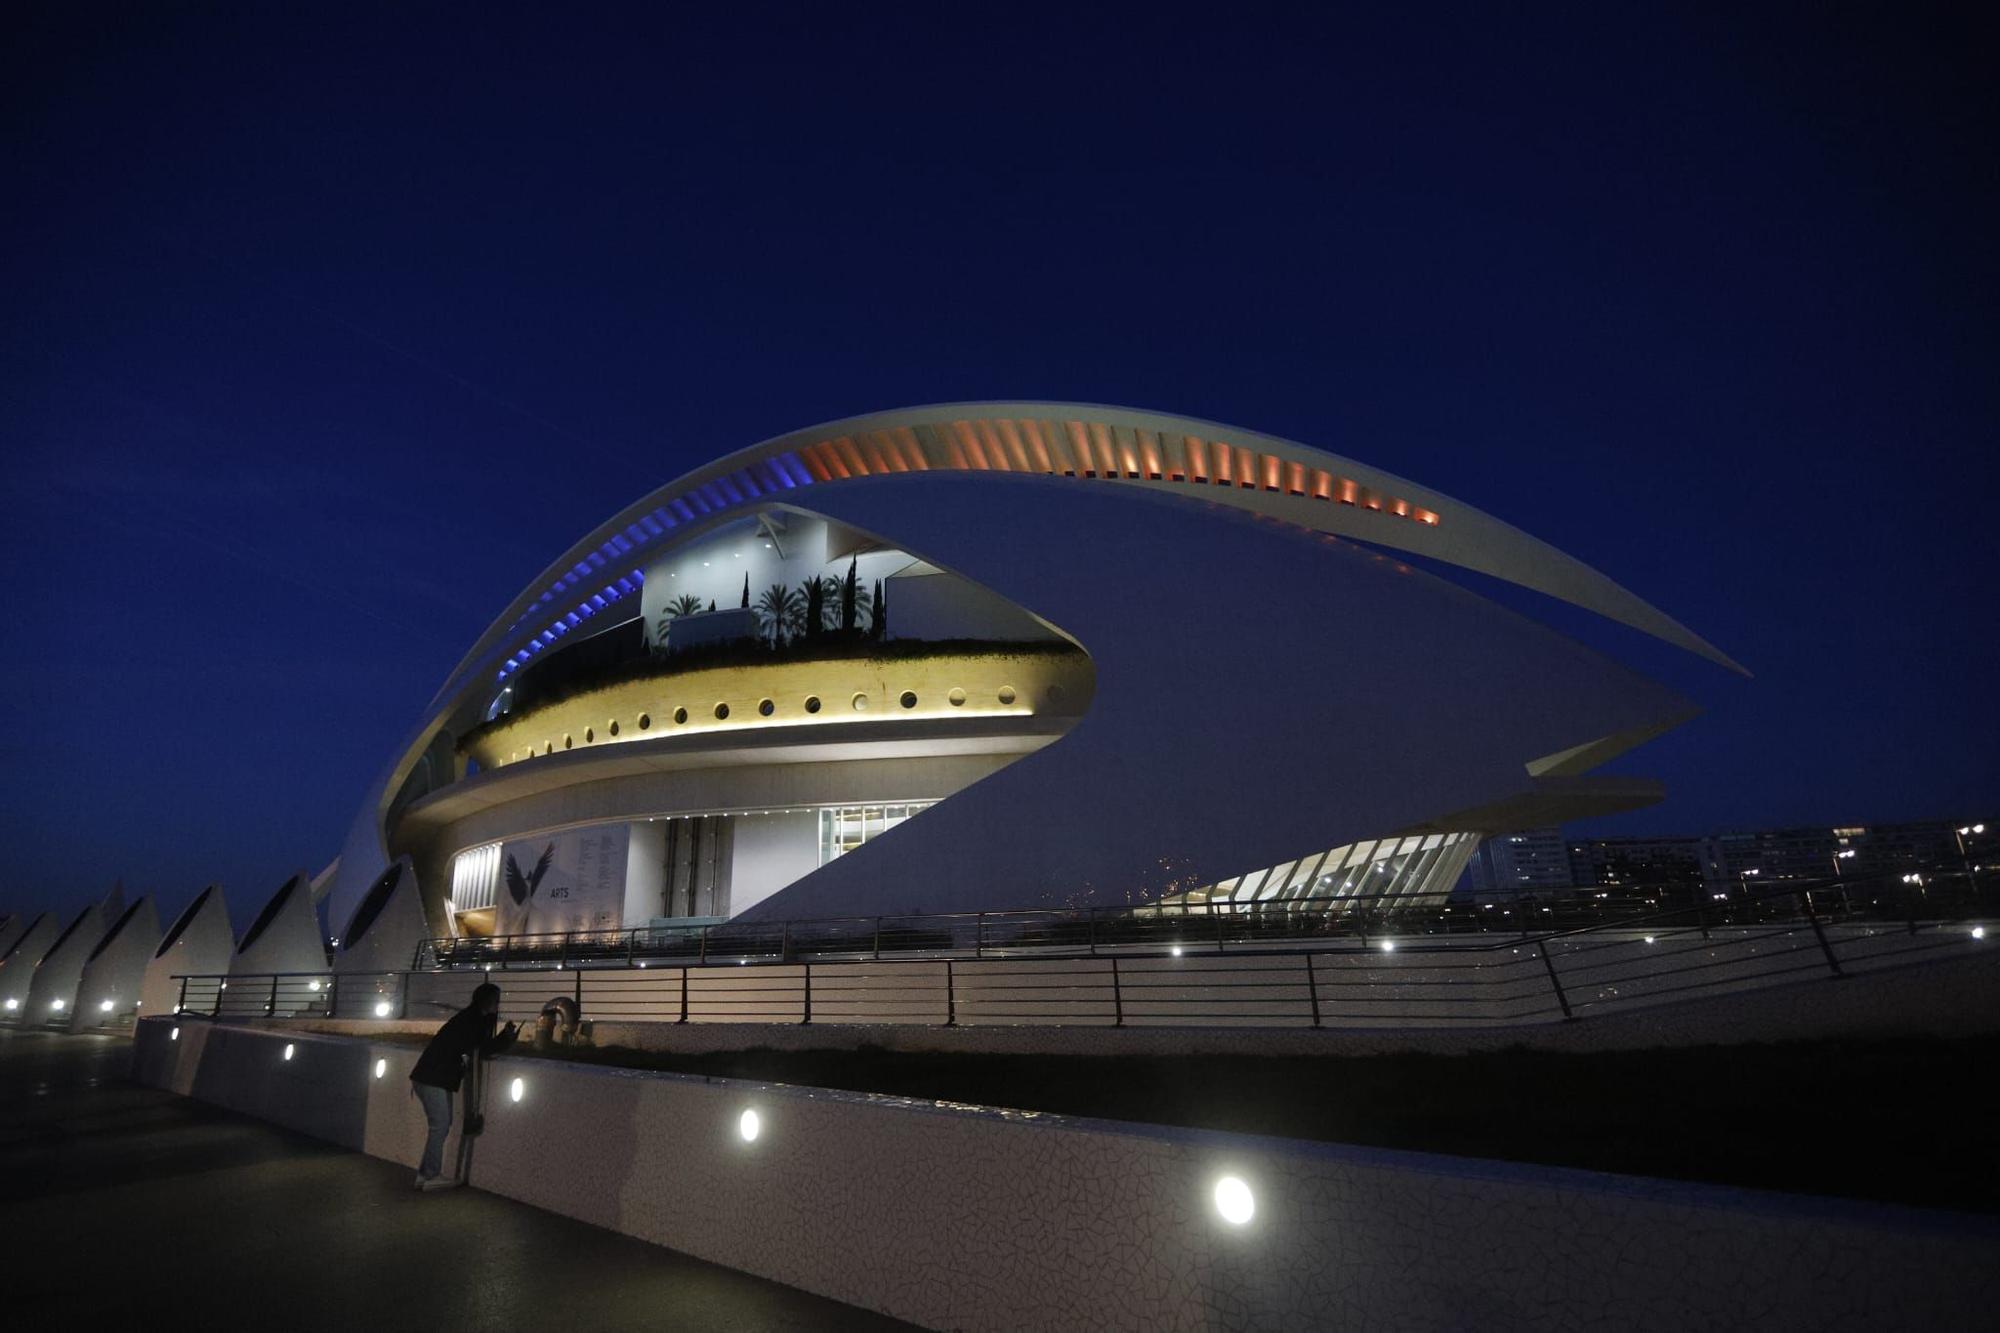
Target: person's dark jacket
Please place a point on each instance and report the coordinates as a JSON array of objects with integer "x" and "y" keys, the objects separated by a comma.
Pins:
[{"x": 442, "y": 1065}]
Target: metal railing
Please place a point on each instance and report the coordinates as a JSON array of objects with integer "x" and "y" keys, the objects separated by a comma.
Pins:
[
  {"x": 1360, "y": 978},
  {"x": 1208, "y": 927}
]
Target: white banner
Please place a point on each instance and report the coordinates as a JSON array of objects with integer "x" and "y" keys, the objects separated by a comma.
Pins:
[{"x": 563, "y": 881}]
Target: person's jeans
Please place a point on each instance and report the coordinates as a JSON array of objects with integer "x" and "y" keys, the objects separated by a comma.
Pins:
[{"x": 437, "y": 1110}]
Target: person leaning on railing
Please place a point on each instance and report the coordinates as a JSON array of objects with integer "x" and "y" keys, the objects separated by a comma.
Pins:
[{"x": 441, "y": 1069}]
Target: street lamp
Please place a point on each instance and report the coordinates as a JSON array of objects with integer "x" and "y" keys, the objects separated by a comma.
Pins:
[{"x": 1963, "y": 859}]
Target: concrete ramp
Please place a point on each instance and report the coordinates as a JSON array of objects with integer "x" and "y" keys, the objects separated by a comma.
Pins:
[
  {"x": 17, "y": 965},
  {"x": 285, "y": 936},
  {"x": 197, "y": 944},
  {"x": 386, "y": 926},
  {"x": 52, "y": 994},
  {"x": 108, "y": 992}
]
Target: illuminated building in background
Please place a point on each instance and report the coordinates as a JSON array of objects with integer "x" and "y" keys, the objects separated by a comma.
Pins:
[{"x": 1006, "y": 655}]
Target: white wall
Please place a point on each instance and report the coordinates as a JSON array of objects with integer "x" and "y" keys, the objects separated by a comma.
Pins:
[
  {"x": 645, "y": 872},
  {"x": 960, "y": 1217},
  {"x": 771, "y": 850}
]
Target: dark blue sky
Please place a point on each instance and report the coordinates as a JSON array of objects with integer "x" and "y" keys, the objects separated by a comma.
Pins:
[{"x": 326, "y": 328}]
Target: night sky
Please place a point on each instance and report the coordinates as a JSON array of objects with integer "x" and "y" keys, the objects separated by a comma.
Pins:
[{"x": 326, "y": 328}]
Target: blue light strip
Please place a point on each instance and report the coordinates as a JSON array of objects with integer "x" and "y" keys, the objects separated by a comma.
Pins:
[{"x": 753, "y": 481}]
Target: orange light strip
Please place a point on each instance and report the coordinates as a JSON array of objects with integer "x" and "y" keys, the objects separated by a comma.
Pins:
[{"x": 1089, "y": 449}]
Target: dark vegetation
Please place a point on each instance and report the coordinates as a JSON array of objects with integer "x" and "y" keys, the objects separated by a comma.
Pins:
[{"x": 1905, "y": 1120}]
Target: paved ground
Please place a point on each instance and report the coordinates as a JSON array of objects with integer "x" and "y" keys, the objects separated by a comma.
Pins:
[{"x": 121, "y": 1202}]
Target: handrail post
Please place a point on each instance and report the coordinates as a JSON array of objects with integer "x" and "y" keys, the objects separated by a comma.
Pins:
[
  {"x": 271, "y": 1005},
  {"x": 1701, "y": 910},
  {"x": 1220, "y": 941},
  {"x": 704, "y": 946},
  {"x": 182, "y": 1003},
  {"x": 950, "y": 997},
  {"x": 1312, "y": 989},
  {"x": 878, "y": 939},
  {"x": 684, "y": 995},
  {"x": 1090, "y": 919},
  {"x": 979, "y": 936},
  {"x": 807, "y": 1016},
  {"x": 785, "y": 944},
  {"x": 1117, "y": 995},
  {"x": 1542, "y": 946},
  {"x": 631, "y": 944},
  {"x": 562, "y": 959},
  {"x": 333, "y": 996},
  {"x": 1805, "y": 895}
]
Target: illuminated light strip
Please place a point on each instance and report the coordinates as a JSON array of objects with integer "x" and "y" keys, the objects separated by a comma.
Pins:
[{"x": 1067, "y": 448}]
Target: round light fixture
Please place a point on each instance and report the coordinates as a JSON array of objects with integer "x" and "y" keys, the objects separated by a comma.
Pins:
[
  {"x": 749, "y": 1125},
  {"x": 382, "y": 1008},
  {"x": 288, "y": 1050},
  {"x": 1234, "y": 1201},
  {"x": 381, "y": 1068},
  {"x": 516, "y": 1089}
]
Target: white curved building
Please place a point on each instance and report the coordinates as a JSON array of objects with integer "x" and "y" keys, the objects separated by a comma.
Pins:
[{"x": 1093, "y": 656}]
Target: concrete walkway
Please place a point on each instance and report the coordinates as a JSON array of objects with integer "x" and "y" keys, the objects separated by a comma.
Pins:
[{"x": 123, "y": 1203}]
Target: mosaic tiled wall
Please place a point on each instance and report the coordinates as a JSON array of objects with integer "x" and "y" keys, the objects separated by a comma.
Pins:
[{"x": 959, "y": 1217}]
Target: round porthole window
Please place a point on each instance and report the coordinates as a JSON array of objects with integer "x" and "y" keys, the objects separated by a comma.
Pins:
[
  {"x": 645, "y": 721},
  {"x": 680, "y": 716},
  {"x": 721, "y": 712},
  {"x": 548, "y": 747},
  {"x": 589, "y": 735},
  {"x": 566, "y": 742},
  {"x": 812, "y": 703},
  {"x": 611, "y": 728},
  {"x": 909, "y": 699},
  {"x": 766, "y": 707},
  {"x": 957, "y": 697},
  {"x": 860, "y": 703},
  {"x": 1006, "y": 694}
]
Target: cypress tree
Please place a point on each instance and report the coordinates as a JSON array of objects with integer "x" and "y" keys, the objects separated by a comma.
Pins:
[
  {"x": 847, "y": 599},
  {"x": 746, "y": 587},
  {"x": 815, "y": 607},
  {"x": 878, "y": 621}
]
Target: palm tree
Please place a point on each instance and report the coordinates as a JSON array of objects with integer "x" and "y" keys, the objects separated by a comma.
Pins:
[
  {"x": 782, "y": 611},
  {"x": 687, "y": 604}
]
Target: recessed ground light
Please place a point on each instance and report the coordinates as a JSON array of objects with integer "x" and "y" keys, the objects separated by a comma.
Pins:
[
  {"x": 749, "y": 1125},
  {"x": 1175, "y": 951},
  {"x": 289, "y": 1048},
  {"x": 175, "y": 1035},
  {"x": 105, "y": 1006},
  {"x": 312, "y": 986},
  {"x": 56, "y": 1004},
  {"x": 1234, "y": 1201},
  {"x": 1979, "y": 932},
  {"x": 1388, "y": 946},
  {"x": 381, "y": 1068},
  {"x": 516, "y": 1090},
  {"x": 382, "y": 1008}
]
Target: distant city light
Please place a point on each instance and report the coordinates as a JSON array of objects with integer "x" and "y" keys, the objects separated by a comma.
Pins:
[
  {"x": 1234, "y": 1201},
  {"x": 749, "y": 1124}
]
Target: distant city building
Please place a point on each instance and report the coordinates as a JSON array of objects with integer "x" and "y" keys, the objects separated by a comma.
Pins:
[{"x": 1531, "y": 861}]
